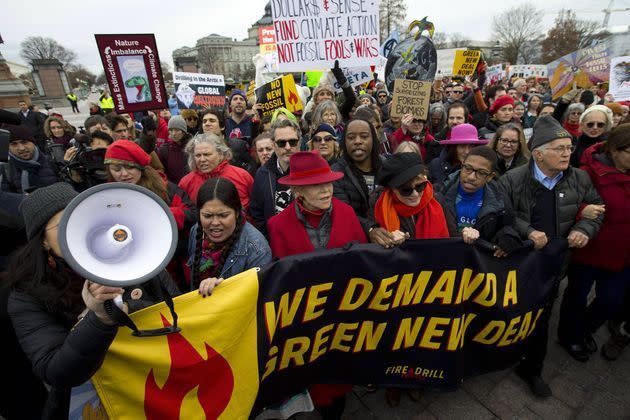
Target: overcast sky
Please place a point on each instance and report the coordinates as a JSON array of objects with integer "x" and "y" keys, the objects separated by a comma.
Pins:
[{"x": 73, "y": 23}]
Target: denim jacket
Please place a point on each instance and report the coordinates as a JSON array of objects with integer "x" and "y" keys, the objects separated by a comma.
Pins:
[{"x": 251, "y": 250}]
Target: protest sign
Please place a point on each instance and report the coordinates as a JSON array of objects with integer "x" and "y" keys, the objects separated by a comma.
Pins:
[
  {"x": 356, "y": 76},
  {"x": 527, "y": 70},
  {"x": 266, "y": 39},
  {"x": 411, "y": 97},
  {"x": 198, "y": 90},
  {"x": 413, "y": 58},
  {"x": 620, "y": 78},
  {"x": 279, "y": 93},
  {"x": 312, "y": 35},
  {"x": 583, "y": 68},
  {"x": 465, "y": 62},
  {"x": 427, "y": 313},
  {"x": 313, "y": 77},
  {"x": 133, "y": 72},
  {"x": 494, "y": 74}
]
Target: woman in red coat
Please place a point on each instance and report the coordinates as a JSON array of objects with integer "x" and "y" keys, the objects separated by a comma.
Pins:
[
  {"x": 315, "y": 220},
  {"x": 605, "y": 260},
  {"x": 209, "y": 157}
]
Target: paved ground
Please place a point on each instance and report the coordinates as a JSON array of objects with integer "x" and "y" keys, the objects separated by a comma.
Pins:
[
  {"x": 77, "y": 119},
  {"x": 597, "y": 389}
]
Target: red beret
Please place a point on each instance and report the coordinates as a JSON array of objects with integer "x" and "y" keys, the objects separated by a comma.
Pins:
[
  {"x": 128, "y": 152},
  {"x": 500, "y": 102}
]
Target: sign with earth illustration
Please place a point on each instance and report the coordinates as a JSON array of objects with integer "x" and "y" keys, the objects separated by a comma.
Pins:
[{"x": 132, "y": 68}]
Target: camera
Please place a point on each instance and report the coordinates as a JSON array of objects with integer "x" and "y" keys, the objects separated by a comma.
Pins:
[{"x": 85, "y": 168}]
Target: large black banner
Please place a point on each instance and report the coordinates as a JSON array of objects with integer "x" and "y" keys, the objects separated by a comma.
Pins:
[{"x": 428, "y": 313}]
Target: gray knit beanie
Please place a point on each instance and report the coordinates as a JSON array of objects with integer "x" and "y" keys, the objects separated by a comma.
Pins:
[
  {"x": 177, "y": 122},
  {"x": 40, "y": 206},
  {"x": 547, "y": 129}
]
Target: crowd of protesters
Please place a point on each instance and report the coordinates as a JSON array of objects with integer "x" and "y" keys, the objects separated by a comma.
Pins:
[{"x": 503, "y": 164}]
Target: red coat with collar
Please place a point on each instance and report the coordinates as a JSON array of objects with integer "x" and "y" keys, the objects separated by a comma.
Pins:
[
  {"x": 288, "y": 236},
  {"x": 241, "y": 179},
  {"x": 610, "y": 248},
  {"x": 399, "y": 136}
]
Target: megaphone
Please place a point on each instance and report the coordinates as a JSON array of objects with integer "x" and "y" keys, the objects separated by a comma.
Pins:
[{"x": 118, "y": 235}]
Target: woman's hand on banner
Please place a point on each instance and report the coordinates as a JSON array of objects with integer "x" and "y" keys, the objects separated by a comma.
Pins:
[{"x": 207, "y": 286}]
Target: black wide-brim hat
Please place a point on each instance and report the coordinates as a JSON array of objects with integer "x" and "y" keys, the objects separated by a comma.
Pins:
[{"x": 399, "y": 168}]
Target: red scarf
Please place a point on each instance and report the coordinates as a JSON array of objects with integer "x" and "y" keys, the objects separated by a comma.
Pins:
[
  {"x": 313, "y": 218},
  {"x": 430, "y": 222}
]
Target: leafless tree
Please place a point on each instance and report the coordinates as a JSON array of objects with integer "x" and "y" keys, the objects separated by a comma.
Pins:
[
  {"x": 569, "y": 34},
  {"x": 78, "y": 75},
  {"x": 38, "y": 47},
  {"x": 457, "y": 40},
  {"x": 440, "y": 40},
  {"x": 392, "y": 14},
  {"x": 513, "y": 27}
]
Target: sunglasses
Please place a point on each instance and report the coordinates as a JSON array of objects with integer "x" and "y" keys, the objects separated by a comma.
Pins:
[
  {"x": 382, "y": 96},
  {"x": 191, "y": 118},
  {"x": 283, "y": 143},
  {"x": 318, "y": 139},
  {"x": 593, "y": 124},
  {"x": 407, "y": 191},
  {"x": 458, "y": 91}
]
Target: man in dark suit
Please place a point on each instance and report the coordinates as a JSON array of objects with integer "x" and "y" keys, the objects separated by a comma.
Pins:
[{"x": 34, "y": 121}]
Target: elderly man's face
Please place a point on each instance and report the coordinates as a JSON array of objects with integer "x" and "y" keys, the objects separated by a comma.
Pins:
[{"x": 555, "y": 155}]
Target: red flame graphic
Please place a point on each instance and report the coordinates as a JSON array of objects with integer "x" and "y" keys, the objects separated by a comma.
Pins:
[
  {"x": 292, "y": 98},
  {"x": 213, "y": 377}
]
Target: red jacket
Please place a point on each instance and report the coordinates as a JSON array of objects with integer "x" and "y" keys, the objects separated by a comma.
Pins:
[
  {"x": 241, "y": 179},
  {"x": 287, "y": 236},
  {"x": 610, "y": 249},
  {"x": 399, "y": 136}
]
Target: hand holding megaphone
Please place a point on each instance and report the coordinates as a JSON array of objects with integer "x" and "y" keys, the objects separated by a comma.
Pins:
[{"x": 117, "y": 235}]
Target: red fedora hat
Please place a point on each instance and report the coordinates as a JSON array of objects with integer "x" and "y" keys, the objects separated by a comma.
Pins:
[{"x": 309, "y": 168}]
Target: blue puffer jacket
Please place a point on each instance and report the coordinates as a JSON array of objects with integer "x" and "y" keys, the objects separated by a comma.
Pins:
[{"x": 251, "y": 250}]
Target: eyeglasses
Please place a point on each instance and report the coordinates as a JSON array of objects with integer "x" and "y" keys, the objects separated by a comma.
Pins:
[
  {"x": 593, "y": 124},
  {"x": 459, "y": 92},
  {"x": 562, "y": 149},
  {"x": 382, "y": 96},
  {"x": 318, "y": 139},
  {"x": 575, "y": 113},
  {"x": 407, "y": 191},
  {"x": 508, "y": 142},
  {"x": 479, "y": 173},
  {"x": 448, "y": 92},
  {"x": 283, "y": 143}
]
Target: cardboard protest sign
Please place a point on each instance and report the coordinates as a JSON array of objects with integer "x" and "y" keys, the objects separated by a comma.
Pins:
[
  {"x": 199, "y": 91},
  {"x": 620, "y": 78},
  {"x": 465, "y": 62},
  {"x": 133, "y": 72},
  {"x": 583, "y": 68},
  {"x": 528, "y": 70},
  {"x": 266, "y": 39},
  {"x": 411, "y": 97},
  {"x": 312, "y": 35},
  {"x": 279, "y": 93}
]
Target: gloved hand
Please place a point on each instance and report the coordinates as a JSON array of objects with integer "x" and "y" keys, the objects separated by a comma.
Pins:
[
  {"x": 481, "y": 73},
  {"x": 339, "y": 76}
]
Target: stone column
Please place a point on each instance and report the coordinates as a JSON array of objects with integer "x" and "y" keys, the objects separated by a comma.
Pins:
[{"x": 51, "y": 82}]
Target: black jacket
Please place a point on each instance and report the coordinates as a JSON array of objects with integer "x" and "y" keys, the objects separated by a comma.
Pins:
[
  {"x": 352, "y": 191},
  {"x": 495, "y": 220},
  {"x": 519, "y": 160},
  {"x": 573, "y": 190},
  {"x": 64, "y": 355},
  {"x": 440, "y": 169},
  {"x": 35, "y": 121},
  {"x": 11, "y": 175},
  {"x": 262, "y": 203},
  {"x": 581, "y": 144}
]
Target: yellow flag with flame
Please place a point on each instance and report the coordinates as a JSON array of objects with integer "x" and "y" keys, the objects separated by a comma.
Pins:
[{"x": 208, "y": 370}]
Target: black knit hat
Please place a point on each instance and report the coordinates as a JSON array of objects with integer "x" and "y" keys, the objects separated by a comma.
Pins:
[
  {"x": 587, "y": 97},
  {"x": 547, "y": 129},
  {"x": 325, "y": 127},
  {"x": 39, "y": 207},
  {"x": 19, "y": 132},
  {"x": 398, "y": 169}
]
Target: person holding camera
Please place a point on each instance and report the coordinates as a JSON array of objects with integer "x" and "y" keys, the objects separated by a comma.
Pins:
[{"x": 27, "y": 168}]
